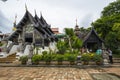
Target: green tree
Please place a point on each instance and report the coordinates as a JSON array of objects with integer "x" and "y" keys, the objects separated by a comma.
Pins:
[
  {"x": 116, "y": 28},
  {"x": 108, "y": 25},
  {"x": 112, "y": 9},
  {"x": 73, "y": 41},
  {"x": 61, "y": 47}
]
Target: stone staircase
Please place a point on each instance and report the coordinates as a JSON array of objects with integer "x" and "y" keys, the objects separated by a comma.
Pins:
[
  {"x": 8, "y": 59},
  {"x": 116, "y": 60}
]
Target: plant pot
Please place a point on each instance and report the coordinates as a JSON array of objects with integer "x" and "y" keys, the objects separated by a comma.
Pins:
[
  {"x": 98, "y": 63},
  {"x": 72, "y": 62},
  {"x": 24, "y": 62},
  {"x": 59, "y": 62},
  {"x": 85, "y": 62},
  {"x": 48, "y": 62},
  {"x": 35, "y": 63}
]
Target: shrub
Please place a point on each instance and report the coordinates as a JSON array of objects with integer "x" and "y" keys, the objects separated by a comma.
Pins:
[
  {"x": 48, "y": 57},
  {"x": 92, "y": 56},
  {"x": 44, "y": 52},
  {"x": 24, "y": 59},
  {"x": 59, "y": 58},
  {"x": 36, "y": 58},
  {"x": 85, "y": 57},
  {"x": 43, "y": 55},
  {"x": 1, "y": 44},
  {"x": 71, "y": 57},
  {"x": 97, "y": 58}
]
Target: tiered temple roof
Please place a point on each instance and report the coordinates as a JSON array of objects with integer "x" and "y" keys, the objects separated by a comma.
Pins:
[{"x": 38, "y": 23}]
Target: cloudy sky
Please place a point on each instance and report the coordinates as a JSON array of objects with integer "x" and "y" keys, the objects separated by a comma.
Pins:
[{"x": 58, "y": 13}]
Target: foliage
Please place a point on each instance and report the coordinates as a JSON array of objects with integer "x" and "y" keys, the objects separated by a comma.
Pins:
[
  {"x": 1, "y": 44},
  {"x": 76, "y": 43},
  {"x": 108, "y": 25},
  {"x": 61, "y": 47},
  {"x": 69, "y": 32},
  {"x": 36, "y": 58},
  {"x": 85, "y": 57},
  {"x": 43, "y": 55},
  {"x": 97, "y": 58},
  {"x": 44, "y": 52},
  {"x": 116, "y": 28},
  {"x": 112, "y": 9},
  {"x": 24, "y": 59},
  {"x": 72, "y": 42},
  {"x": 48, "y": 57},
  {"x": 59, "y": 58},
  {"x": 71, "y": 57}
]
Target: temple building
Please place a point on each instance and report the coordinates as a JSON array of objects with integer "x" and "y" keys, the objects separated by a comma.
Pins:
[
  {"x": 55, "y": 30},
  {"x": 30, "y": 31},
  {"x": 90, "y": 39},
  {"x": 2, "y": 35}
]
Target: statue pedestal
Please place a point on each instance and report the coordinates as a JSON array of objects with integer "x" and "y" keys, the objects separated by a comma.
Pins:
[
  {"x": 29, "y": 62},
  {"x": 105, "y": 62}
]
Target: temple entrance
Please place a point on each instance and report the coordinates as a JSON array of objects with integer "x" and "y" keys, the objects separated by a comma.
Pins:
[
  {"x": 29, "y": 37},
  {"x": 30, "y": 40},
  {"x": 92, "y": 46}
]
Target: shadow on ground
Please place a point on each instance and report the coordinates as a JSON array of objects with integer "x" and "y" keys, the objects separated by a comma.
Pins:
[{"x": 105, "y": 76}]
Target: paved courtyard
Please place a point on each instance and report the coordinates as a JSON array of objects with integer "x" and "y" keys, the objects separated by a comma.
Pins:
[{"x": 52, "y": 73}]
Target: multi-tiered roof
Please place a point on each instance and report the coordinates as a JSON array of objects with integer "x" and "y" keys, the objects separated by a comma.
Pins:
[{"x": 39, "y": 24}]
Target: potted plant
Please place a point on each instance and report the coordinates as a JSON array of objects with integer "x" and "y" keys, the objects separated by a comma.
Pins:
[
  {"x": 35, "y": 59},
  {"x": 85, "y": 58},
  {"x": 59, "y": 59},
  {"x": 71, "y": 58},
  {"x": 98, "y": 59},
  {"x": 24, "y": 59},
  {"x": 48, "y": 58}
]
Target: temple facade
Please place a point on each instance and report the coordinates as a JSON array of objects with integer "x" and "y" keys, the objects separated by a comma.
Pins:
[{"x": 30, "y": 32}]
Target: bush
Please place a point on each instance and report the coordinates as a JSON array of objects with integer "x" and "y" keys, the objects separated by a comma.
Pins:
[
  {"x": 1, "y": 44},
  {"x": 97, "y": 58},
  {"x": 71, "y": 57},
  {"x": 48, "y": 57},
  {"x": 85, "y": 57},
  {"x": 24, "y": 59},
  {"x": 43, "y": 55},
  {"x": 44, "y": 52},
  {"x": 59, "y": 58},
  {"x": 36, "y": 58}
]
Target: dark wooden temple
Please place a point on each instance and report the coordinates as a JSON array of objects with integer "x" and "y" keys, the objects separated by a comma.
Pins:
[
  {"x": 91, "y": 40},
  {"x": 33, "y": 30}
]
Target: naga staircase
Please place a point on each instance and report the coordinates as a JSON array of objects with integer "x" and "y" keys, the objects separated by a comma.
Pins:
[{"x": 8, "y": 59}]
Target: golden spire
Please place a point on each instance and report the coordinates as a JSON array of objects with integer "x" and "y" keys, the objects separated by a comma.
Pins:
[{"x": 14, "y": 24}]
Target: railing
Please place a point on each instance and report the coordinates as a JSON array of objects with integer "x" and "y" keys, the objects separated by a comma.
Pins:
[
  {"x": 24, "y": 46},
  {"x": 10, "y": 46}
]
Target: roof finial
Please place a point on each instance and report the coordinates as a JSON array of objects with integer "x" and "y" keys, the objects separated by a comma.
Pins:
[
  {"x": 35, "y": 12},
  {"x": 25, "y": 6},
  {"x": 15, "y": 20},
  {"x": 40, "y": 13}
]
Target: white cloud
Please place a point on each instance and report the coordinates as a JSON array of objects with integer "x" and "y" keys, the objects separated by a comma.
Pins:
[{"x": 58, "y": 13}]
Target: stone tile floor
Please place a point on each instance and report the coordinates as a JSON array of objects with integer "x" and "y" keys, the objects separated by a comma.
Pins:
[{"x": 52, "y": 73}]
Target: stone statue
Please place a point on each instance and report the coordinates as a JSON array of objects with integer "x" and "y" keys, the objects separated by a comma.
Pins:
[
  {"x": 31, "y": 52},
  {"x": 30, "y": 55},
  {"x": 105, "y": 56}
]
